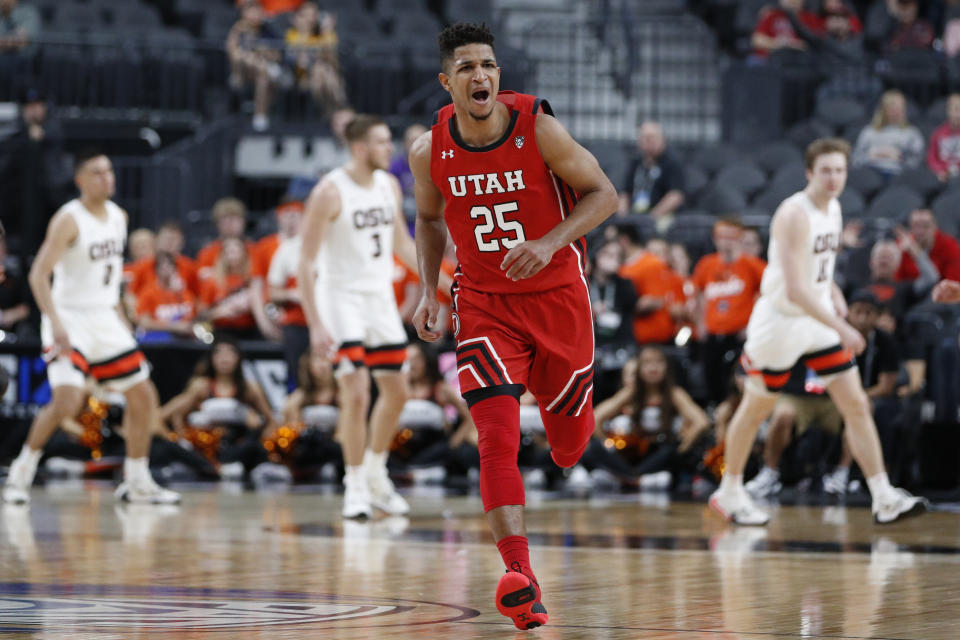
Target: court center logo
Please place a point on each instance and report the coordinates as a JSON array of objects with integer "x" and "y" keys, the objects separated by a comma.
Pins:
[{"x": 97, "y": 607}]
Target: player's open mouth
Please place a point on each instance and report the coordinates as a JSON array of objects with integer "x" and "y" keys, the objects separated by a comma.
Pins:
[{"x": 481, "y": 96}]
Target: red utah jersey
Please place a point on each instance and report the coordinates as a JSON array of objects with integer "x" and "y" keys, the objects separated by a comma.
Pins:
[{"x": 501, "y": 195}]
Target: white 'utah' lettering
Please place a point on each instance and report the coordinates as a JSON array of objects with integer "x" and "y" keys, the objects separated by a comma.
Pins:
[{"x": 487, "y": 184}]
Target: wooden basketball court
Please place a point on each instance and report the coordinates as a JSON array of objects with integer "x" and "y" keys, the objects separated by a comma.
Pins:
[{"x": 237, "y": 564}]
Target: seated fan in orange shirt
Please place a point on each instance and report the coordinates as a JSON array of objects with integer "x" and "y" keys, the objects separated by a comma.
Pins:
[
  {"x": 225, "y": 296},
  {"x": 166, "y": 306}
]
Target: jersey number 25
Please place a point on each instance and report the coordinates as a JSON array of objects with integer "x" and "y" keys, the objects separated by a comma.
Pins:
[{"x": 495, "y": 220}]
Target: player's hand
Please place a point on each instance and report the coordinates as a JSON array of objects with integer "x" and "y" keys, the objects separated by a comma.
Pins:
[
  {"x": 527, "y": 259},
  {"x": 947, "y": 291},
  {"x": 425, "y": 319},
  {"x": 321, "y": 342},
  {"x": 851, "y": 340}
]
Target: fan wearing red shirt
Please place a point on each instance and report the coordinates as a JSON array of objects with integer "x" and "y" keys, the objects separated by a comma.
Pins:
[
  {"x": 775, "y": 30},
  {"x": 942, "y": 248},
  {"x": 517, "y": 195},
  {"x": 727, "y": 284}
]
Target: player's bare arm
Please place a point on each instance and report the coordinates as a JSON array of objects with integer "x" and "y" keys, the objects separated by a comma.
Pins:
[
  {"x": 431, "y": 238},
  {"x": 578, "y": 168},
  {"x": 323, "y": 205},
  {"x": 404, "y": 245},
  {"x": 839, "y": 301},
  {"x": 61, "y": 233},
  {"x": 790, "y": 228}
]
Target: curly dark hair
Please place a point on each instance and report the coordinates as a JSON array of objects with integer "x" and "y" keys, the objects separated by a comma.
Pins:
[{"x": 462, "y": 33}]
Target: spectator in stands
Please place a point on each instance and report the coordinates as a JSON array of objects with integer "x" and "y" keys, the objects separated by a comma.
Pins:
[
  {"x": 282, "y": 289},
  {"x": 230, "y": 216},
  {"x": 312, "y": 51},
  {"x": 896, "y": 297},
  {"x": 943, "y": 152},
  {"x": 777, "y": 28},
  {"x": 752, "y": 243},
  {"x": 169, "y": 240},
  {"x": 142, "y": 244},
  {"x": 951, "y": 29},
  {"x": 727, "y": 284},
  {"x": 457, "y": 452},
  {"x": 288, "y": 216},
  {"x": 252, "y": 48},
  {"x": 660, "y": 291},
  {"x": 908, "y": 30},
  {"x": 225, "y": 296},
  {"x": 664, "y": 420},
  {"x": 165, "y": 306},
  {"x": 613, "y": 300},
  {"x": 220, "y": 375},
  {"x": 36, "y": 179},
  {"x": 14, "y": 295},
  {"x": 276, "y": 7},
  {"x": 889, "y": 143},
  {"x": 19, "y": 26},
  {"x": 654, "y": 182},
  {"x": 925, "y": 237},
  {"x": 316, "y": 385},
  {"x": 839, "y": 22},
  {"x": 400, "y": 167}
]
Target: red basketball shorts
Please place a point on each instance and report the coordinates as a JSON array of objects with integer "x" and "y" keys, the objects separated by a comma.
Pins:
[{"x": 541, "y": 340}]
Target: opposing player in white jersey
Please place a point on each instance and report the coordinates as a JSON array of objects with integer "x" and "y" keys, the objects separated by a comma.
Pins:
[
  {"x": 354, "y": 223},
  {"x": 800, "y": 317},
  {"x": 83, "y": 333}
]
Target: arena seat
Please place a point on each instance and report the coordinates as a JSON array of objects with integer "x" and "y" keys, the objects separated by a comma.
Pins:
[{"x": 895, "y": 201}]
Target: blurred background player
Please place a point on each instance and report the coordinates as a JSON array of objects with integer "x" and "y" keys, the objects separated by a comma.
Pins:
[
  {"x": 492, "y": 167},
  {"x": 84, "y": 332},
  {"x": 354, "y": 223},
  {"x": 800, "y": 317}
]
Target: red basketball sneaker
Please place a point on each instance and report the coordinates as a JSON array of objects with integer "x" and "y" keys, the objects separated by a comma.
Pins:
[{"x": 518, "y": 598}]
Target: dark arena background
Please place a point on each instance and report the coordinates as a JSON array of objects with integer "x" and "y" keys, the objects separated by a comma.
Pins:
[{"x": 220, "y": 117}]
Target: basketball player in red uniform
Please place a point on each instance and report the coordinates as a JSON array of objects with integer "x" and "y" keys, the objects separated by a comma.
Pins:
[{"x": 517, "y": 194}]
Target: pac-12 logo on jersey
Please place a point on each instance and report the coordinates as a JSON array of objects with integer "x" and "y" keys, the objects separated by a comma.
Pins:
[{"x": 519, "y": 140}]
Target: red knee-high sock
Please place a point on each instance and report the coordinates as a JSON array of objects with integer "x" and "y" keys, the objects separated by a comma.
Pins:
[
  {"x": 568, "y": 435},
  {"x": 515, "y": 552},
  {"x": 498, "y": 431}
]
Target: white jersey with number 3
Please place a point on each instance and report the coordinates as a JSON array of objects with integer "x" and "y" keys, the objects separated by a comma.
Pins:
[
  {"x": 89, "y": 272},
  {"x": 357, "y": 249},
  {"x": 819, "y": 257}
]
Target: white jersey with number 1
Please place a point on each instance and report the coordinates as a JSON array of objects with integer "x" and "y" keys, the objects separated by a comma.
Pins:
[
  {"x": 88, "y": 274},
  {"x": 819, "y": 256},
  {"x": 357, "y": 249}
]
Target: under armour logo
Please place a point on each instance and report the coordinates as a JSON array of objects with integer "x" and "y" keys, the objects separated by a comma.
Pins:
[{"x": 446, "y": 154}]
